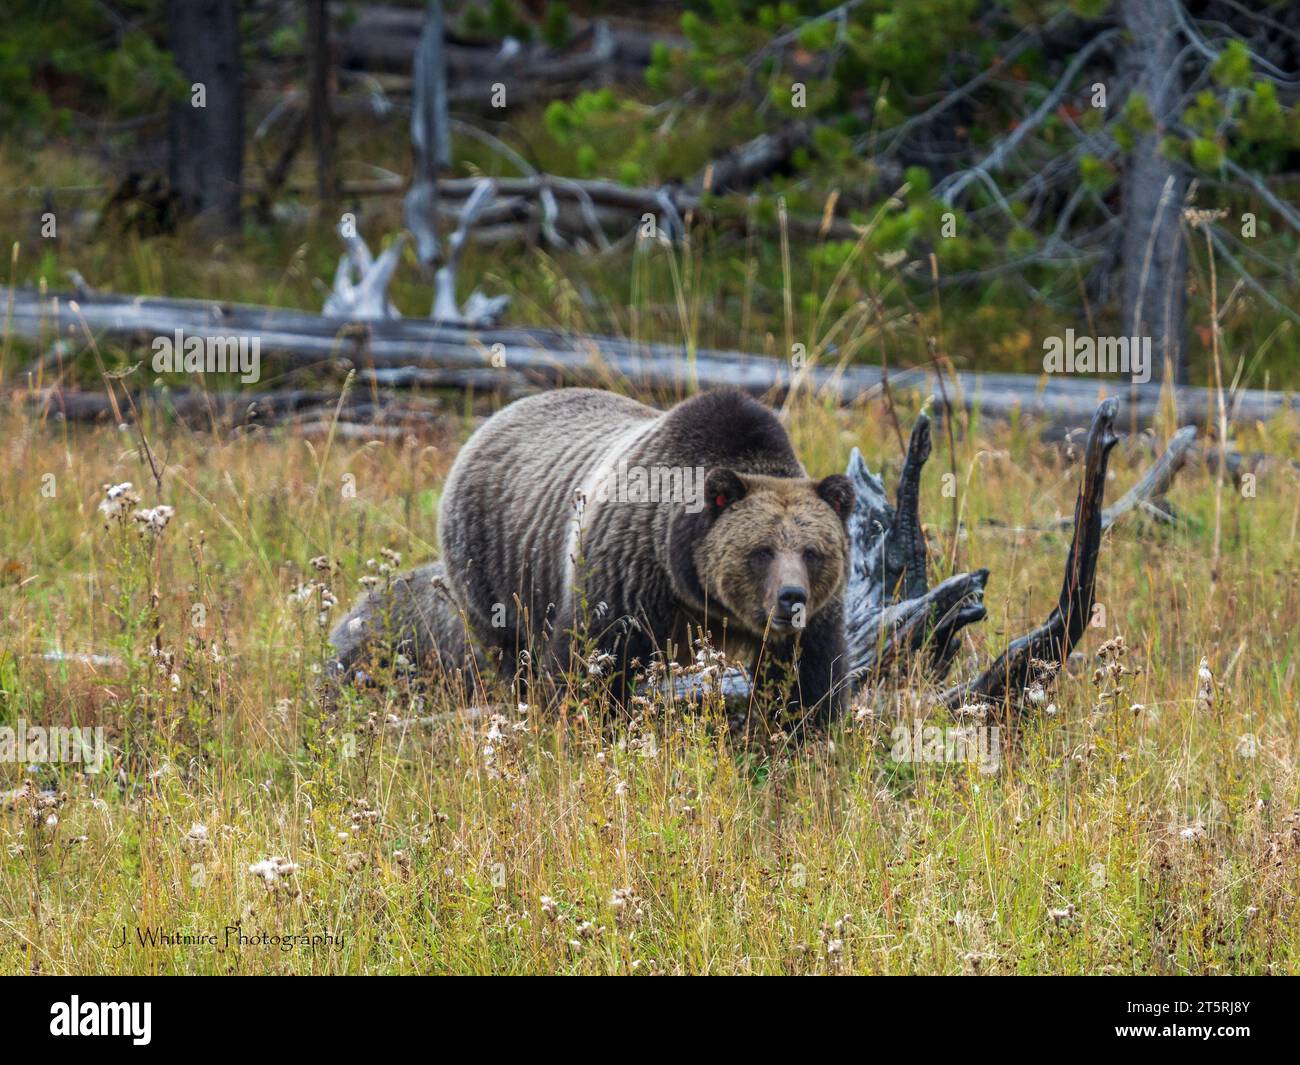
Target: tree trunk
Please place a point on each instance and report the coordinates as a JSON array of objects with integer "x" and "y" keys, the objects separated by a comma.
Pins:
[
  {"x": 1154, "y": 254},
  {"x": 206, "y": 129},
  {"x": 430, "y": 135},
  {"x": 318, "y": 98}
]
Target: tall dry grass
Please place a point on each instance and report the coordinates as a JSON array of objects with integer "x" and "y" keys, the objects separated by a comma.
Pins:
[{"x": 1146, "y": 822}]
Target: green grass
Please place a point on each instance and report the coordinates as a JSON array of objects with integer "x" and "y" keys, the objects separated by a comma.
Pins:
[{"x": 1109, "y": 841}]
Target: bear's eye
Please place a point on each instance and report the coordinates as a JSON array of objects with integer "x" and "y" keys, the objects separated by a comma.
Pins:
[
  {"x": 760, "y": 557},
  {"x": 811, "y": 557}
]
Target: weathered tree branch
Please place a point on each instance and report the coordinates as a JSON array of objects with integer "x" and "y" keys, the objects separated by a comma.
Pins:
[
  {"x": 360, "y": 291},
  {"x": 1052, "y": 641},
  {"x": 1152, "y": 485},
  {"x": 952, "y": 187}
]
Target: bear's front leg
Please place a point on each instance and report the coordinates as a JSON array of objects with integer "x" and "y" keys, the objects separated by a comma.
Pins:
[
  {"x": 612, "y": 652},
  {"x": 821, "y": 651},
  {"x": 808, "y": 671}
]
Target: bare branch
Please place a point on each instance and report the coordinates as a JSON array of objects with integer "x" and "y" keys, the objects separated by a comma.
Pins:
[{"x": 952, "y": 186}]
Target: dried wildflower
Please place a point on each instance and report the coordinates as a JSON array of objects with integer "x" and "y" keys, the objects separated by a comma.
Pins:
[
  {"x": 328, "y": 601},
  {"x": 1193, "y": 832},
  {"x": 1062, "y": 916},
  {"x": 599, "y": 663},
  {"x": 1204, "y": 686},
  {"x": 363, "y": 813},
  {"x": 1247, "y": 746},
  {"x": 1196, "y": 217},
  {"x": 495, "y": 744},
  {"x": 154, "y": 521},
  {"x": 118, "y": 501},
  {"x": 1112, "y": 649},
  {"x": 626, "y": 905},
  {"x": 197, "y": 836},
  {"x": 550, "y": 907},
  {"x": 272, "y": 869}
]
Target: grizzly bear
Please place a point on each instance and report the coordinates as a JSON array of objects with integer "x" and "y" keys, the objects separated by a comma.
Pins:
[{"x": 587, "y": 529}]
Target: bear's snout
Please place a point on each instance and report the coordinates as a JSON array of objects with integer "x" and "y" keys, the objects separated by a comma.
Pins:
[
  {"x": 787, "y": 592},
  {"x": 790, "y": 598},
  {"x": 791, "y": 605}
]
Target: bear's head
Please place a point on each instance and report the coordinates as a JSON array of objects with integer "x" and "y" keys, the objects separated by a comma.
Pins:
[{"x": 772, "y": 551}]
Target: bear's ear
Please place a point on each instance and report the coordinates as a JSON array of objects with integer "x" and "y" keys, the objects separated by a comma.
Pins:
[
  {"x": 722, "y": 487},
  {"x": 838, "y": 492}
]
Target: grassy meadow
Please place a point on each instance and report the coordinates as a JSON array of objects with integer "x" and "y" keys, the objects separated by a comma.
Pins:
[
  {"x": 1141, "y": 818},
  {"x": 1147, "y": 820}
]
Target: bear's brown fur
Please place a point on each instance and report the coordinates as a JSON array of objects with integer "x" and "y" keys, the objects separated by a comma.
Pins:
[{"x": 546, "y": 548}]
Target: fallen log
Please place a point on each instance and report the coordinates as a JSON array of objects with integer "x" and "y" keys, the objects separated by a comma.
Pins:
[
  {"x": 549, "y": 358},
  {"x": 200, "y": 409},
  {"x": 383, "y": 40},
  {"x": 485, "y": 381},
  {"x": 751, "y": 162},
  {"x": 620, "y": 210}
]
